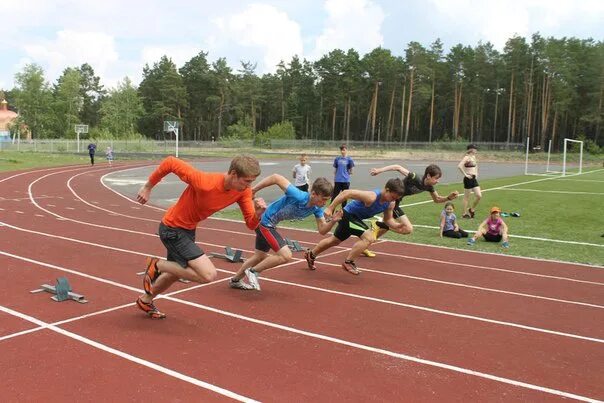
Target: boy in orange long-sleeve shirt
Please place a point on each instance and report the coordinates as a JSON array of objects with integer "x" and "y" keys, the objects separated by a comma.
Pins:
[{"x": 206, "y": 193}]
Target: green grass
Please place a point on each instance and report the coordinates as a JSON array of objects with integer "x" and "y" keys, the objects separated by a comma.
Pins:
[
  {"x": 16, "y": 160},
  {"x": 554, "y": 216}
]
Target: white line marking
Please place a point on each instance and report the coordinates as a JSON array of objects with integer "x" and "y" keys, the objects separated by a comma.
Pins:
[
  {"x": 129, "y": 357},
  {"x": 308, "y": 334},
  {"x": 554, "y": 191}
]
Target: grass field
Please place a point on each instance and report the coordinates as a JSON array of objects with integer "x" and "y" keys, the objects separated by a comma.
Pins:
[{"x": 560, "y": 218}]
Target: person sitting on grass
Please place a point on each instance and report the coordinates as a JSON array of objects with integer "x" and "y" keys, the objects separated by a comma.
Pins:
[
  {"x": 448, "y": 223},
  {"x": 493, "y": 229},
  {"x": 295, "y": 204},
  {"x": 364, "y": 204}
]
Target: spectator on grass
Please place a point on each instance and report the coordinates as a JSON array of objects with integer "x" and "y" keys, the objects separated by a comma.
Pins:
[
  {"x": 493, "y": 229},
  {"x": 295, "y": 204},
  {"x": 91, "y": 151},
  {"x": 469, "y": 168},
  {"x": 448, "y": 223},
  {"x": 206, "y": 193},
  {"x": 301, "y": 173}
]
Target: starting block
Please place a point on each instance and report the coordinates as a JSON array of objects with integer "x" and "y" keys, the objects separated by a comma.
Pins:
[
  {"x": 294, "y": 245},
  {"x": 233, "y": 256},
  {"x": 62, "y": 291}
]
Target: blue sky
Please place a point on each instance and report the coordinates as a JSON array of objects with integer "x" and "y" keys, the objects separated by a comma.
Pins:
[{"x": 118, "y": 37}]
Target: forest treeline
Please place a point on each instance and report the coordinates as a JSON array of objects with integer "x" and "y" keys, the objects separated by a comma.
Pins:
[{"x": 545, "y": 88}]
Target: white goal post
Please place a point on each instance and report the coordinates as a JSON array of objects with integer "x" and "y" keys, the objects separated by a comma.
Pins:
[{"x": 554, "y": 167}]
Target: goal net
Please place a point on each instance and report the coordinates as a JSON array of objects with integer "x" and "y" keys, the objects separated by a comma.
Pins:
[{"x": 547, "y": 162}]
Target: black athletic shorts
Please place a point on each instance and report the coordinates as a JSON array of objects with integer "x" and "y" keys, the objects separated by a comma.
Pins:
[
  {"x": 303, "y": 188},
  {"x": 268, "y": 238},
  {"x": 492, "y": 238},
  {"x": 349, "y": 225},
  {"x": 470, "y": 183},
  {"x": 180, "y": 244}
]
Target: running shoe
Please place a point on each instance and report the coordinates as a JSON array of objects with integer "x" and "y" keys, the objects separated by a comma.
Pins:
[
  {"x": 505, "y": 244},
  {"x": 252, "y": 279},
  {"x": 240, "y": 285},
  {"x": 310, "y": 259},
  {"x": 151, "y": 274},
  {"x": 472, "y": 212},
  {"x": 471, "y": 241},
  {"x": 150, "y": 309},
  {"x": 351, "y": 267},
  {"x": 466, "y": 215},
  {"x": 368, "y": 253}
]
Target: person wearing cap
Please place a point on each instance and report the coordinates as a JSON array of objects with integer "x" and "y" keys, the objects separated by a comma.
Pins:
[
  {"x": 469, "y": 168},
  {"x": 493, "y": 229}
]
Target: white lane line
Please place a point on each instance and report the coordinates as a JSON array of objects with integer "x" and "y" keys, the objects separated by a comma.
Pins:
[
  {"x": 321, "y": 337},
  {"x": 554, "y": 191},
  {"x": 129, "y": 357},
  {"x": 410, "y": 306}
]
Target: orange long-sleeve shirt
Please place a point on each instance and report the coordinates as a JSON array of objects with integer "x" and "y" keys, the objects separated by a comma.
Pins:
[{"x": 204, "y": 195}]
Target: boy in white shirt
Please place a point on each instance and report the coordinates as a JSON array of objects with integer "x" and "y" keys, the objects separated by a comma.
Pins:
[{"x": 301, "y": 173}]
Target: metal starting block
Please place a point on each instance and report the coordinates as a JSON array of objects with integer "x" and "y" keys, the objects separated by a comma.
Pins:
[
  {"x": 62, "y": 291},
  {"x": 294, "y": 245},
  {"x": 233, "y": 256},
  {"x": 182, "y": 280}
]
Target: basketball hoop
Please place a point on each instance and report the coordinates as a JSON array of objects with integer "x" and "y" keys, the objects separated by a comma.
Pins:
[
  {"x": 171, "y": 126},
  {"x": 80, "y": 129}
]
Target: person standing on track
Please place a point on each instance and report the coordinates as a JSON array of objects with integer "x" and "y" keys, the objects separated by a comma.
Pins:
[
  {"x": 301, "y": 173},
  {"x": 205, "y": 194},
  {"x": 469, "y": 168},
  {"x": 364, "y": 204},
  {"x": 295, "y": 204},
  {"x": 91, "y": 151},
  {"x": 413, "y": 184}
]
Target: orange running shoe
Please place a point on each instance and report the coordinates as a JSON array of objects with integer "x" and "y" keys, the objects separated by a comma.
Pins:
[
  {"x": 150, "y": 309},
  {"x": 151, "y": 274}
]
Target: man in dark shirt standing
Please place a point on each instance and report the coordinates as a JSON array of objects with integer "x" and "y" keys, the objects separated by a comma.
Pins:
[
  {"x": 91, "y": 151},
  {"x": 414, "y": 184}
]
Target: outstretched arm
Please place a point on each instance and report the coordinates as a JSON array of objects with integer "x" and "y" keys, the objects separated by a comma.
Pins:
[
  {"x": 376, "y": 171},
  {"x": 442, "y": 225},
  {"x": 324, "y": 226},
  {"x": 441, "y": 199},
  {"x": 274, "y": 179}
]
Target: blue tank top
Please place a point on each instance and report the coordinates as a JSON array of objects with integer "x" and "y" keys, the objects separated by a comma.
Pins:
[{"x": 358, "y": 208}]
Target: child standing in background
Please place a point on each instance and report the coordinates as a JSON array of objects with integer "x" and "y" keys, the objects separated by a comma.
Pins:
[
  {"x": 448, "y": 223},
  {"x": 109, "y": 155},
  {"x": 493, "y": 229},
  {"x": 301, "y": 173}
]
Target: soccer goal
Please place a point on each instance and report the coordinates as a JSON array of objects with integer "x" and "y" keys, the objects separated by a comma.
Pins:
[{"x": 570, "y": 161}]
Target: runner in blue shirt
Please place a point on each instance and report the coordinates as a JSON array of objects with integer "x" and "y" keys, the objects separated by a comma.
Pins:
[
  {"x": 295, "y": 204},
  {"x": 364, "y": 204}
]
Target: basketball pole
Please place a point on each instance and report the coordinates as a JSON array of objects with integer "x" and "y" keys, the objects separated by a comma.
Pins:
[{"x": 176, "y": 134}]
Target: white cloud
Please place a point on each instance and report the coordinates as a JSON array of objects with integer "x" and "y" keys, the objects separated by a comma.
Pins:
[
  {"x": 350, "y": 24},
  {"x": 72, "y": 49},
  {"x": 263, "y": 27},
  {"x": 498, "y": 20}
]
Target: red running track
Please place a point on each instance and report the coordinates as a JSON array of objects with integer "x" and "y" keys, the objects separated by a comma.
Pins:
[{"x": 420, "y": 323}]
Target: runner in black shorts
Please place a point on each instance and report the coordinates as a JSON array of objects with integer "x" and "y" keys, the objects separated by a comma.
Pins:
[
  {"x": 413, "y": 184},
  {"x": 364, "y": 204},
  {"x": 469, "y": 168}
]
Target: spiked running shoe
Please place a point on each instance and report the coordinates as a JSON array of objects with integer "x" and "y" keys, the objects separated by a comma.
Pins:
[
  {"x": 472, "y": 212},
  {"x": 240, "y": 285},
  {"x": 151, "y": 274},
  {"x": 150, "y": 309},
  {"x": 252, "y": 279},
  {"x": 351, "y": 267},
  {"x": 310, "y": 259}
]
